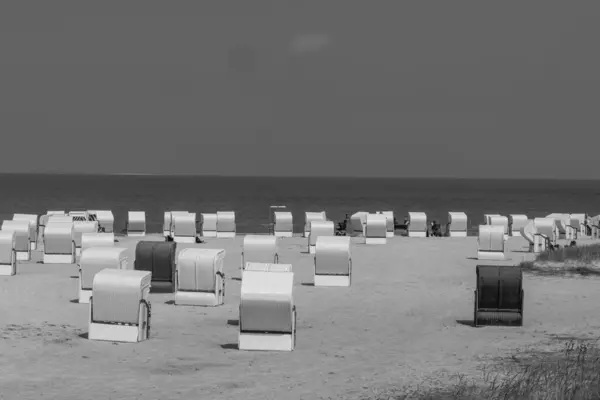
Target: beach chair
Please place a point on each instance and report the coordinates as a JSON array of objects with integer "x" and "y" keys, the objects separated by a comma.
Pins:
[
  {"x": 491, "y": 242},
  {"x": 562, "y": 220},
  {"x": 97, "y": 239},
  {"x": 272, "y": 211},
  {"x": 546, "y": 234},
  {"x": 94, "y": 260},
  {"x": 528, "y": 232},
  {"x": 488, "y": 218},
  {"x": 79, "y": 228},
  {"x": 106, "y": 221},
  {"x": 158, "y": 258},
  {"x": 120, "y": 306},
  {"x": 375, "y": 229},
  {"x": 499, "y": 295},
  {"x": 8, "y": 256},
  {"x": 168, "y": 222},
  {"x": 310, "y": 216},
  {"x": 595, "y": 224},
  {"x": 33, "y": 220},
  {"x": 226, "y": 224},
  {"x": 417, "y": 224},
  {"x": 200, "y": 279},
  {"x": 59, "y": 243},
  {"x": 184, "y": 228},
  {"x": 317, "y": 229},
  {"x": 516, "y": 222},
  {"x": 260, "y": 249},
  {"x": 22, "y": 235},
  {"x": 283, "y": 224},
  {"x": 355, "y": 225},
  {"x": 457, "y": 224},
  {"x": 267, "y": 312},
  {"x": 136, "y": 223},
  {"x": 209, "y": 225},
  {"x": 500, "y": 220},
  {"x": 390, "y": 228},
  {"x": 333, "y": 261}
]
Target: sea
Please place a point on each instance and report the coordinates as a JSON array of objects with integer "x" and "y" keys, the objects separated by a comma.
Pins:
[{"x": 250, "y": 197}]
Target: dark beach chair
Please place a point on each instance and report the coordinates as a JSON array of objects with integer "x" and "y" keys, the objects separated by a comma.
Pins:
[
  {"x": 158, "y": 258},
  {"x": 499, "y": 295}
]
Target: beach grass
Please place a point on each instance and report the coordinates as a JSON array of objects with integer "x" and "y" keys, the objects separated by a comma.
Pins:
[
  {"x": 576, "y": 260},
  {"x": 570, "y": 373}
]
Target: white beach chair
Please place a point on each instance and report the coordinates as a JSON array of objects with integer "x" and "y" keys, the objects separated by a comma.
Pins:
[
  {"x": 98, "y": 239},
  {"x": 22, "y": 235},
  {"x": 226, "y": 224},
  {"x": 119, "y": 306},
  {"x": 310, "y": 216},
  {"x": 267, "y": 312},
  {"x": 8, "y": 256},
  {"x": 491, "y": 242},
  {"x": 317, "y": 229},
  {"x": 528, "y": 232},
  {"x": 333, "y": 261},
  {"x": 59, "y": 243},
  {"x": 200, "y": 279},
  {"x": 106, "y": 220},
  {"x": 260, "y": 249},
  {"x": 357, "y": 223},
  {"x": 94, "y": 260},
  {"x": 136, "y": 223},
  {"x": 417, "y": 224},
  {"x": 546, "y": 234},
  {"x": 209, "y": 224},
  {"x": 184, "y": 228},
  {"x": 516, "y": 222},
  {"x": 33, "y": 220},
  {"x": 283, "y": 224},
  {"x": 375, "y": 229},
  {"x": 79, "y": 228},
  {"x": 500, "y": 220},
  {"x": 457, "y": 224},
  {"x": 390, "y": 228},
  {"x": 487, "y": 218}
]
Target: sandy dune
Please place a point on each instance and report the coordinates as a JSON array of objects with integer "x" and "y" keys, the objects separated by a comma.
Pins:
[{"x": 396, "y": 325}]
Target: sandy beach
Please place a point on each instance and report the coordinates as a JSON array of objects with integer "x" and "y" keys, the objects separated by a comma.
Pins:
[{"x": 404, "y": 321}]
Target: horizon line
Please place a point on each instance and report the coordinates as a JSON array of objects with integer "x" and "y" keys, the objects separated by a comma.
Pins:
[{"x": 149, "y": 174}]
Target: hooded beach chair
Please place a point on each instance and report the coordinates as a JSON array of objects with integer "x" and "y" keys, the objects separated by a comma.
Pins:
[
  {"x": 59, "y": 243},
  {"x": 22, "y": 234},
  {"x": 576, "y": 227},
  {"x": 272, "y": 211},
  {"x": 499, "y": 295},
  {"x": 500, "y": 220},
  {"x": 33, "y": 220},
  {"x": 200, "y": 278},
  {"x": 260, "y": 249},
  {"x": 209, "y": 224},
  {"x": 515, "y": 223},
  {"x": 283, "y": 224},
  {"x": 317, "y": 229},
  {"x": 79, "y": 228},
  {"x": 106, "y": 221},
  {"x": 457, "y": 224},
  {"x": 97, "y": 239},
  {"x": 184, "y": 228},
  {"x": 528, "y": 232},
  {"x": 8, "y": 256},
  {"x": 333, "y": 261},
  {"x": 267, "y": 312},
  {"x": 136, "y": 223},
  {"x": 310, "y": 216},
  {"x": 94, "y": 260},
  {"x": 158, "y": 258},
  {"x": 488, "y": 218},
  {"x": 595, "y": 225},
  {"x": 562, "y": 220},
  {"x": 355, "y": 225},
  {"x": 491, "y": 242},
  {"x": 168, "y": 222},
  {"x": 546, "y": 234},
  {"x": 226, "y": 224},
  {"x": 417, "y": 224},
  {"x": 390, "y": 228},
  {"x": 120, "y": 306},
  {"x": 375, "y": 230}
]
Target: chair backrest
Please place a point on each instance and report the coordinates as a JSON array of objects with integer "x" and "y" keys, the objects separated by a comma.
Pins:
[
  {"x": 7, "y": 246},
  {"x": 546, "y": 226},
  {"x": 320, "y": 228},
  {"x": 499, "y": 220},
  {"x": 491, "y": 238},
  {"x": 333, "y": 255},
  {"x": 22, "y": 233},
  {"x": 376, "y": 226},
  {"x": 457, "y": 221},
  {"x": 417, "y": 221},
  {"x": 136, "y": 221},
  {"x": 283, "y": 221},
  {"x": 158, "y": 258},
  {"x": 226, "y": 221},
  {"x": 197, "y": 269},
  {"x": 499, "y": 287},
  {"x": 260, "y": 248},
  {"x": 184, "y": 224},
  {"x": 310, "y": 216},
  {"x": 209, "y": 222},
  {"x": 117, "y": 293}
]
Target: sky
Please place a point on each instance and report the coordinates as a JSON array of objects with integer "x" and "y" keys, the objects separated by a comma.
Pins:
[{"x": 302, "y": 88}]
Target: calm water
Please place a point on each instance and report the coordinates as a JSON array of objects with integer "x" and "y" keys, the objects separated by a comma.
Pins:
[{"x": 250, "y": 197}]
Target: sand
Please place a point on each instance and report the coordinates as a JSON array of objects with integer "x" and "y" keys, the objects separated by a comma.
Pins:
[{"x": 399, "y": 323}]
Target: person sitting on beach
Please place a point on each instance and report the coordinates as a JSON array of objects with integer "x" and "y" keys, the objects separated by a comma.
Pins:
[{"x": 435, "y": 229}]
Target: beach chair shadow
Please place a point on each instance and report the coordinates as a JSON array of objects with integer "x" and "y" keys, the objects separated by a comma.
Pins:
[
  {"x": 170, "y": 302},
  {"x": 233, "y": 322},
  {"x": 466, "y": 322},
  {"x": 308, "y": 284},
  {"x": 230, "y": 346}
]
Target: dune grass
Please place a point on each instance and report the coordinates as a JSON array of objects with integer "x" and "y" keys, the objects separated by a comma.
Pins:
[
  {"x": 576, "y": 260},
  {"x": 572, "y": 373}
]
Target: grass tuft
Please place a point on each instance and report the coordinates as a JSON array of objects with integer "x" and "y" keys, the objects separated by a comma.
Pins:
[{"x": 576, "y": 260}]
